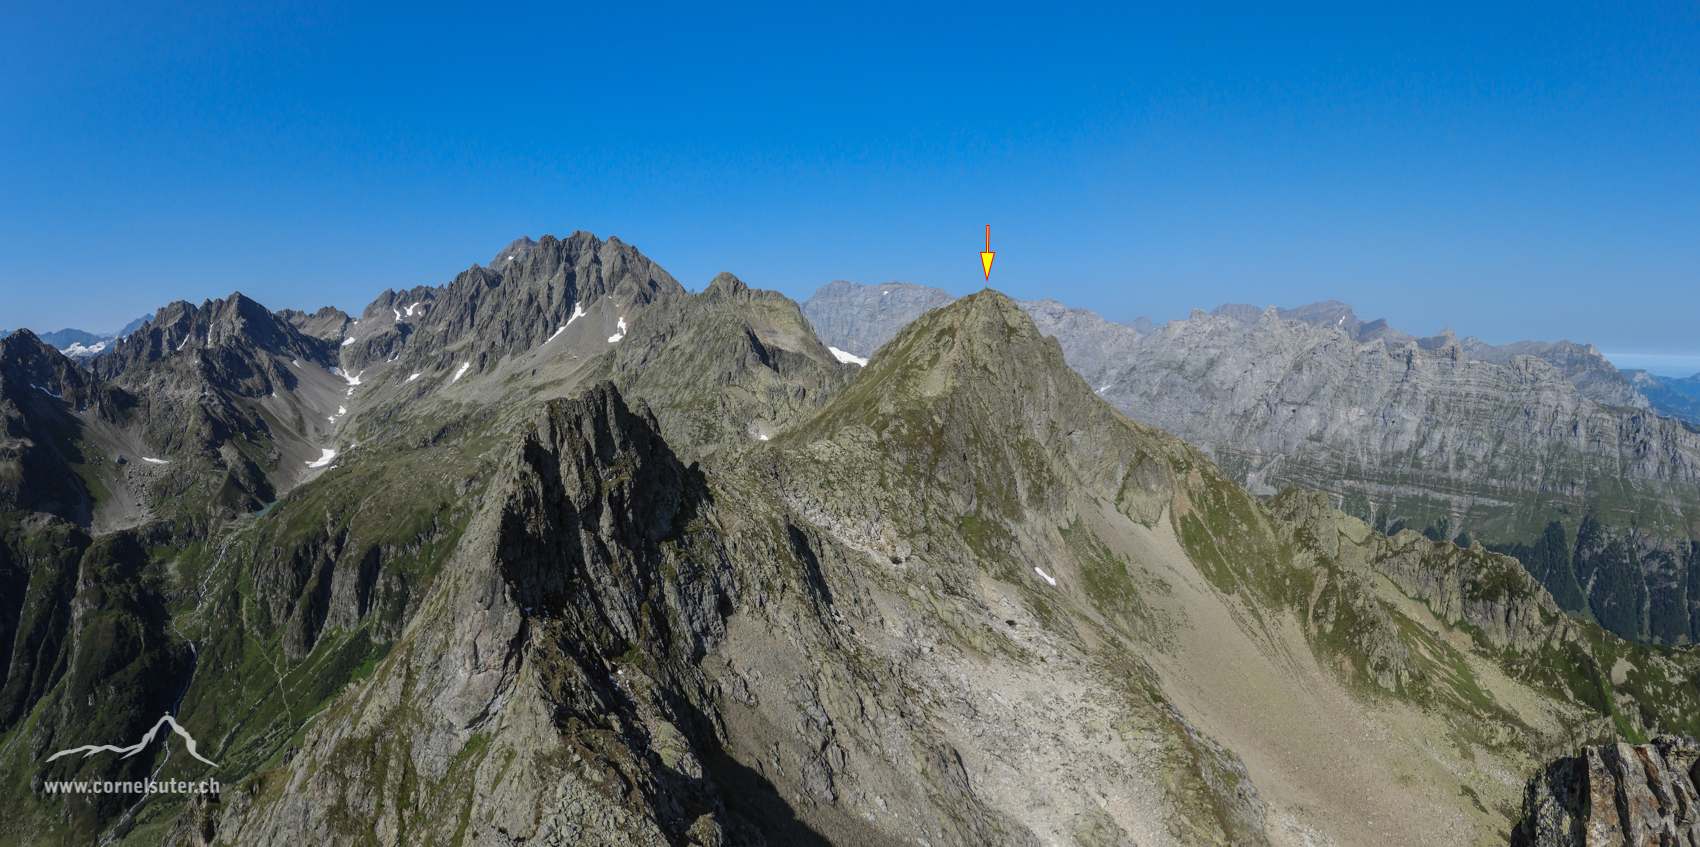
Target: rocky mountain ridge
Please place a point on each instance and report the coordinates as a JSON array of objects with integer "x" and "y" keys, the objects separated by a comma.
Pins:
[{"x": 667, "y": 572}]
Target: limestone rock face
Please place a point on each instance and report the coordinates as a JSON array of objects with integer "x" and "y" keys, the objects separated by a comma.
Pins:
[
  {"x": 1097, "y": 349},
  {"x": 1615, "y": 794},
  {"x": 1334, "y": 409},
  {"x": 1583, "y": 364},
  {"x": 859, "y": 318}
]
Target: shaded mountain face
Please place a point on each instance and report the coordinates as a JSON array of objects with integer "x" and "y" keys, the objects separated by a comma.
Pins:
[
  {"x": 658, "y": 569},
  {"x": 42, "y": 465},
  {"x": 961, "y": 572}
]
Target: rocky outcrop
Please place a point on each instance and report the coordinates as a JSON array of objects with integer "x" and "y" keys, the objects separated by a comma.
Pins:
[
  {"x": 522, "y": 679},
  {"x": 1615, "y": 794},
  {"x": 1486, "y": 591}
]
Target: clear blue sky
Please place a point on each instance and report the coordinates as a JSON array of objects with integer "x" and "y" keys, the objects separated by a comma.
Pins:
[{"x": 1515, "y": 171}]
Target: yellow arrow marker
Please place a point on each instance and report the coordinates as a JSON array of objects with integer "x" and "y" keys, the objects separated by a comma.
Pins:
[{"x": 986, "y": 257}]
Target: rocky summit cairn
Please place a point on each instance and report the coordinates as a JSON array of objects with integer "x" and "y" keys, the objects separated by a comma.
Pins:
[{"x": 1615, "y": 794}]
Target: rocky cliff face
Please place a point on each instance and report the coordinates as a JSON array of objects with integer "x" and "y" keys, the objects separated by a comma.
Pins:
[
  {"x": 1593, "y": 375},
  {"x": 1617, "y": 794},
  {"x": 228, "y": 335}
]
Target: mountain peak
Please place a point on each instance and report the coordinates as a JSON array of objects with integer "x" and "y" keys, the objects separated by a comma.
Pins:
[
  {"x": 725, "y": 283},
  {"x": 977, "y": 378},
  {"x": 516, "y": 252}
]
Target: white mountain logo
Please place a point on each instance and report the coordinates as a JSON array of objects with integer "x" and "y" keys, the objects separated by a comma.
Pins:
[{"x": 91, "y": 749}]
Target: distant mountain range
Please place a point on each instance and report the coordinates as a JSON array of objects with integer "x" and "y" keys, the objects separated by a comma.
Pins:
[
  {"x": 1543, "y": 450},
  {"x": 81, "y": 345}
]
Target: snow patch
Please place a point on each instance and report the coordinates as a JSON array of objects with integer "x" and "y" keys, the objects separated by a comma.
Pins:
[
  {"x": 183, "y": 342},
  {"x": 348, "y": 341},
  {"x": 557, "y": 332},
  {"x": 154, "y": 461},
  {"x": 45, "y": 391},
  {"x": 764, "y": 437},
  {"x": 412, "y": 378},
  {"x": 412, "y": 307},
  {"x": 79, "y": 350},
  {"x": 397, "y": 314},
  {"x": 462, "y": 372},
  {"x": 1048, "y": 578},
  {"x": 844, "y": 356},
  {"x": 342, "y": 410},
  {"x": 621, "y": 334},
  {"x": 323, "y": 460},
  {"x": 578, "y": 312}
]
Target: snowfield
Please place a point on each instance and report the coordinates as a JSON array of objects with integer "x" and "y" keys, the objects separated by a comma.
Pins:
[{"x": 843, "y": 356}]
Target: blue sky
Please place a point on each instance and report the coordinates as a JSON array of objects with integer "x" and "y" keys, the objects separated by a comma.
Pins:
[{"x": 1511, "y": 171}]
